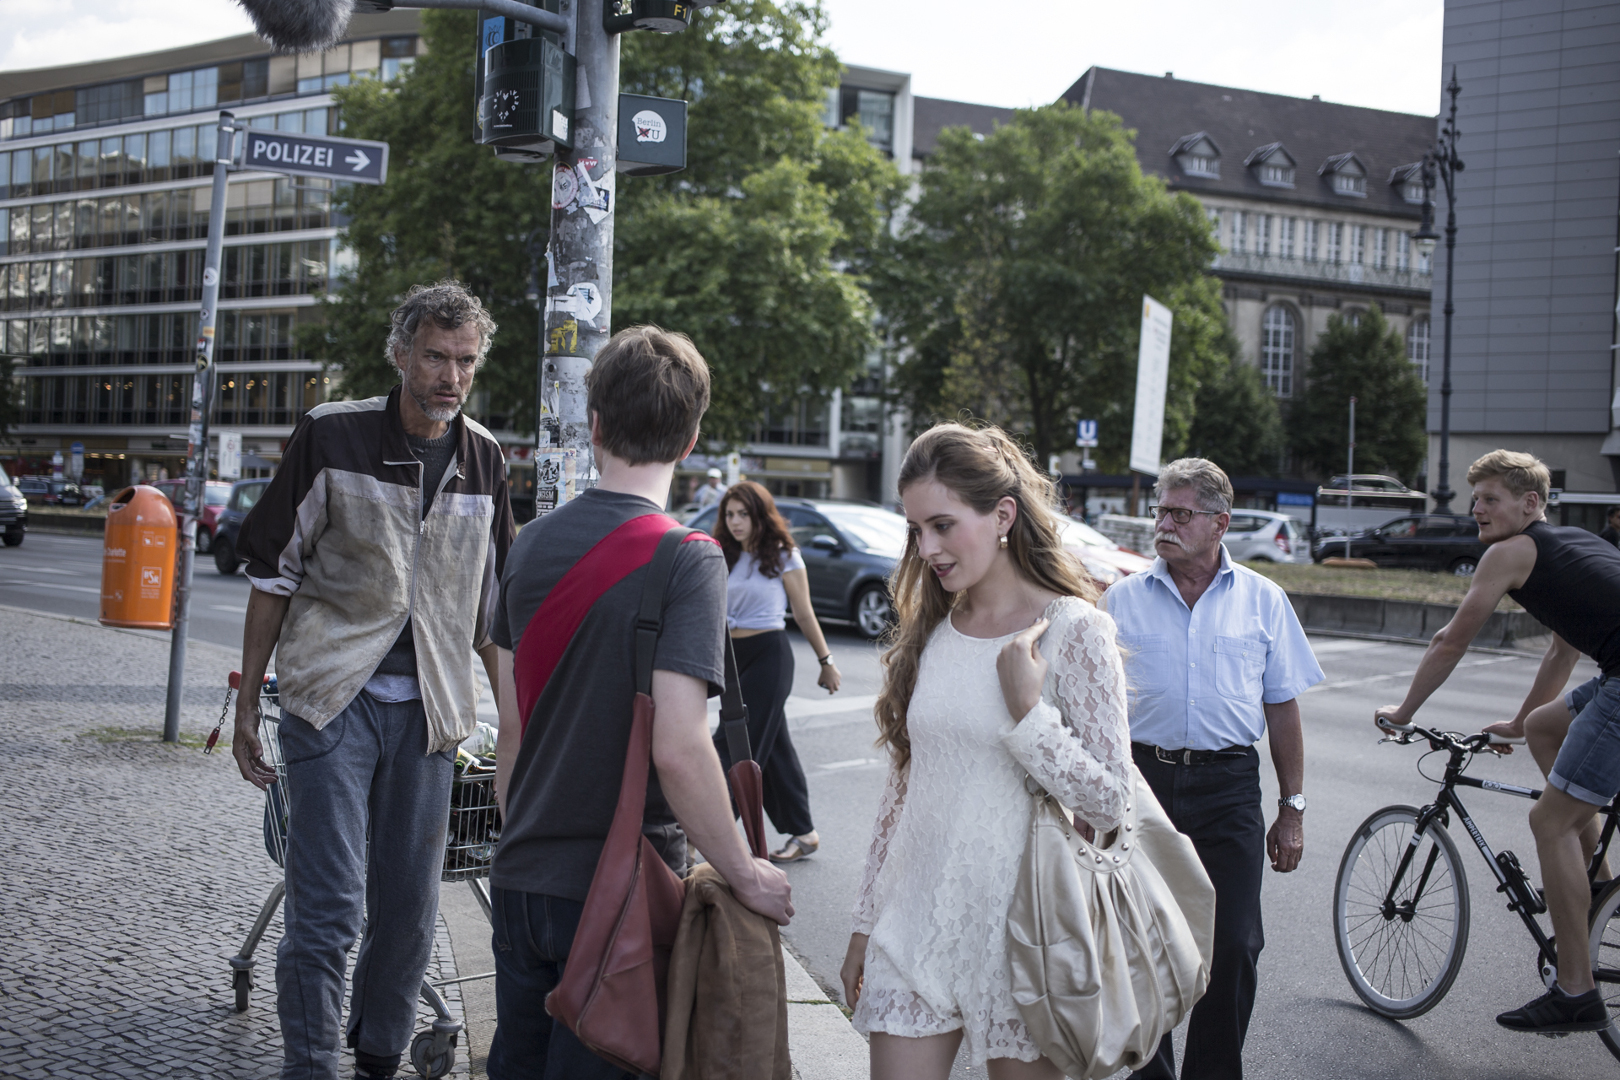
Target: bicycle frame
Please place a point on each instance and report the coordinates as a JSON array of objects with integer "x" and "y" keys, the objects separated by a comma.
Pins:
[{"x": 1446, "y": 801}]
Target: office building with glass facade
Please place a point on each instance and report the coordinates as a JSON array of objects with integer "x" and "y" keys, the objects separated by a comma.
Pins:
[{"x": 105, "y": 191}]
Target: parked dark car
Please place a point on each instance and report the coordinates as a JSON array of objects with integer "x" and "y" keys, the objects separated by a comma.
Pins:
[
  {"x": 1443, "y": 542},
  {"x": 216, "y": 493},
  {"x": 13, "y": 511},
  {"x": 48, "y": 492},
  {"x": 244, "y": 493},
  {"x": 849, "y": 550}
]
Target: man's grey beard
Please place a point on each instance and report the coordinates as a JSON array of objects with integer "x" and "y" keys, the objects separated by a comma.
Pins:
[{"x": 435, "y": 413}]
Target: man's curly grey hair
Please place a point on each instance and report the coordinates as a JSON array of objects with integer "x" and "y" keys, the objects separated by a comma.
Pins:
[
  {"x": 449, "y": 305},
  {"x": 1211, "y": 488}
]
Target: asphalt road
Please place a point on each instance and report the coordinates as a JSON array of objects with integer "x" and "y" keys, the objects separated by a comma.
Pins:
[{"x": 1307, "y": 1022}]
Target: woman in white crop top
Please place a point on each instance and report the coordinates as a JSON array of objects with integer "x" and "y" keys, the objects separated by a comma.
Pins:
[{"x": 768, "y": 574}]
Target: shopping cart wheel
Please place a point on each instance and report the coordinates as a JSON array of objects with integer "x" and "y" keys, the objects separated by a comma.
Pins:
[
  {"x": 433, "y": 1054},
  {"x": 242, "y": 982}
]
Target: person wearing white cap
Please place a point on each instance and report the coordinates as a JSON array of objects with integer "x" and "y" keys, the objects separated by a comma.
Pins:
[{"x": 710, "y": 493}]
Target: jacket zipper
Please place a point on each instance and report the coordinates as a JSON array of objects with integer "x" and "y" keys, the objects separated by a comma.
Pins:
[{"x": 421, "y": 529}]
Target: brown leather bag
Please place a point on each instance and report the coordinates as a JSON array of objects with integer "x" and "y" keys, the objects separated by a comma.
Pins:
[{"x": 612, "y": 993}]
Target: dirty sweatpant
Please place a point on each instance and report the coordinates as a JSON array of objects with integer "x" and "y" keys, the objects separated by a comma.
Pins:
[{"x": 369, "y": 765}]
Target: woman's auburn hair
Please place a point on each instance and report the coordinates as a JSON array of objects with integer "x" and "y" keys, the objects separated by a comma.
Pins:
[
  {"x": 770, "y": 537},
  {"x": 981, "y": 465}
]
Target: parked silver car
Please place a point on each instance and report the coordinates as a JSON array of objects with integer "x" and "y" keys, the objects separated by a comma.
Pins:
[{"x": 1266, "y": 537}]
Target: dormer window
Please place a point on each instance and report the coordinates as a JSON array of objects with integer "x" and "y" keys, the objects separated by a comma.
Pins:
[
  {"x": 1272, "y": 165},
  {"x": 1347, "y": 175},
  {"x": 1408, "y": 180},
  {"x": 1198, "y": 156}
]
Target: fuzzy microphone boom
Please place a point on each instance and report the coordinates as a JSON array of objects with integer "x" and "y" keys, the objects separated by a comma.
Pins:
[{"x": 299, "y": 26}]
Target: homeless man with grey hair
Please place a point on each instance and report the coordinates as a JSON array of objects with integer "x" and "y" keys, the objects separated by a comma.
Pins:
[
  {"x": 1215, "y": 658},
  {"x": 375, "y": 557}
]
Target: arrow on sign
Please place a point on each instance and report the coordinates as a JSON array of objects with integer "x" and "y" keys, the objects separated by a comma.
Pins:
[{"x": 358, "y": 159}]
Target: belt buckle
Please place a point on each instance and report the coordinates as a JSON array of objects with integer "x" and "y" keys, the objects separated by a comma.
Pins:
[{"x": 1166, "y": 756}]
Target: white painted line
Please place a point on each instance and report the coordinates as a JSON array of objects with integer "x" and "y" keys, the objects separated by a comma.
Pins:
[
  {"x": 852, "y": 763},
  {"x": 1346, "y": 645},
  {"x": 232, "y": 608},
  {"x": 1407, "y": 674},
  {"x": 800, "y": 707},
  {"x": 46, "y": 585}
]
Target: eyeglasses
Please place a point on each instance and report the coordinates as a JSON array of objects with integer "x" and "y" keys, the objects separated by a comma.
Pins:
[{"x": 1179, "y": 514}]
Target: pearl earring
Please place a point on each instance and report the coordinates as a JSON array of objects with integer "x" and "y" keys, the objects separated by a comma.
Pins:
[{"x": 1003, "y": 544}]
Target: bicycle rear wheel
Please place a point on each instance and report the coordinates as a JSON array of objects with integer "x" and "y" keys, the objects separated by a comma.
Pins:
[
  {"x": 1604, "y": 941},
  {"x": 1401, "y": 943}
]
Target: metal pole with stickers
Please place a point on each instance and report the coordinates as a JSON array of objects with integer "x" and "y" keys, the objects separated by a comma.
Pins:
[{"x": 354, "y": 160}]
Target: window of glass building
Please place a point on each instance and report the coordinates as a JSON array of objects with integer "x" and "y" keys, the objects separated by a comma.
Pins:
[{"x": 874, "y": 109}]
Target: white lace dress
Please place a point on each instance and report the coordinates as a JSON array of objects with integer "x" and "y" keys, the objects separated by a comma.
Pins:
[{"x": 952, "y": 825}]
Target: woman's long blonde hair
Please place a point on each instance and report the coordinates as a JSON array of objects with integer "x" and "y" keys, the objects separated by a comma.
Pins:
[{"x": 982, "y": 466}]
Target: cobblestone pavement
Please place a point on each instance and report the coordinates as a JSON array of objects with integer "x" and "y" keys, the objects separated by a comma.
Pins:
[{"x": 131, "y": 870}]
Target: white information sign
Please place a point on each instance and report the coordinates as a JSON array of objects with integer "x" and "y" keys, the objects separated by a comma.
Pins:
[
  {"x": 230, "y": 455},
  {"x": 1152, "y": 375}
]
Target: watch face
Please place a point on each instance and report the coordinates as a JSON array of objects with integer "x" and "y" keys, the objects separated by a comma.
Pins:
[{"x": 1295, "y": 802}]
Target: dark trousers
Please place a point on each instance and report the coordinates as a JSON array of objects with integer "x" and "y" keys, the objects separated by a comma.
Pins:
[
  {"x": 765, "y": 672},
  {"x": 1218, "y": 807},
  {"x": 532, "y": 936}
]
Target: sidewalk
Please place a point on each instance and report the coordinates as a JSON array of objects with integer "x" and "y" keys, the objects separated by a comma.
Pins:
[{"x": 137, "y": 868}]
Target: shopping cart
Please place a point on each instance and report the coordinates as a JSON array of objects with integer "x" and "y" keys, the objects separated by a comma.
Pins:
[{"x": 474, "y": 827}]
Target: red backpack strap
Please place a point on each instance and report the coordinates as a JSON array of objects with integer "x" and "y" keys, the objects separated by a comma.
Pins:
[{"x": 554, "y": 623}]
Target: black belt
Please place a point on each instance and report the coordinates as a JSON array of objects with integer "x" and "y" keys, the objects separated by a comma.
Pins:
[{"x": 1190, "y": 757}]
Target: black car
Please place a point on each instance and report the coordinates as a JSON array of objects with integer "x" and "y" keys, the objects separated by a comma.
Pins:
[
  {"x": 1443, "y": 542},
  {"x": 13, "y": 511},
  {"x": 50, "y": 492},
  {"x": 244, "y": 493},
  {"x": 849, "y": 550}
]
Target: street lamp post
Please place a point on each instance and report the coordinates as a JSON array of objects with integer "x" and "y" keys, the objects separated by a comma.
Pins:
[{"x": 1442, "y": 161}]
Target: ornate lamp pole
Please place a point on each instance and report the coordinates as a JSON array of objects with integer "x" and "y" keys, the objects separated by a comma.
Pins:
[{"x": 1442, "y": 161}]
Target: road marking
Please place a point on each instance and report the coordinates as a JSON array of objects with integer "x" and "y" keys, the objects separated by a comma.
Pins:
[
  {"x": 852, "y": 763},
  {"x": 1328, "y": 648},
  {"x": 232, "y": 608},
  {"x": 45, "y": 585},
  {"x": 1407, "y": 674},
  {"x": 798, "y": 708},
  {"x": 52, "y": 570}
]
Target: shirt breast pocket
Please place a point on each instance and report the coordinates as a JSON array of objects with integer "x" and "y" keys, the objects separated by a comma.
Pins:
[
  {"x": 1240, "y": 667},
  {"x": 1147, "y": 663}
]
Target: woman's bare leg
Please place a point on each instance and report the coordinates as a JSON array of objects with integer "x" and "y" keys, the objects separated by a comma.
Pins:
[
  {"x": 898, "y": 1057},
  {"x": 1013, "y": 1069}
]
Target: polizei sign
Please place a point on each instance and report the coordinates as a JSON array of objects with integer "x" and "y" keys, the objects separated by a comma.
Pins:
[{"x": 358, "y": 160}]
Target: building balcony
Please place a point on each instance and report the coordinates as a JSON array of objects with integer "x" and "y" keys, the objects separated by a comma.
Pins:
[{"x": 1353, "y": 274}]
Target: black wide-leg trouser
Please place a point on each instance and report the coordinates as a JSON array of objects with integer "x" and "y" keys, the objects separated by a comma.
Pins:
[
  {"x": 1217, "y": 806},
  {"x": 765, "y": 671}
]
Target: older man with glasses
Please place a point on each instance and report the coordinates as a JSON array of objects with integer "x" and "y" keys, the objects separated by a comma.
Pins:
[{"x": 1215, "y": 657}]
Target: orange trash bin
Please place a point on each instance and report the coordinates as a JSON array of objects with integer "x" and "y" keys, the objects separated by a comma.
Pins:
[{"x": 137, "y": 560}]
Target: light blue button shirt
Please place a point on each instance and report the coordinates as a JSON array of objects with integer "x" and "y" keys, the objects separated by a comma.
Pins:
[{"x": 1198, "y": 677}]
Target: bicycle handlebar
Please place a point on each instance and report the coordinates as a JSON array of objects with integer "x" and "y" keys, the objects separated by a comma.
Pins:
[{"x": 1438, "y": 739}]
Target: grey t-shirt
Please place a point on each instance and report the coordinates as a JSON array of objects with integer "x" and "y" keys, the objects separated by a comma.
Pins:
[{"x": 565, "y": 783}]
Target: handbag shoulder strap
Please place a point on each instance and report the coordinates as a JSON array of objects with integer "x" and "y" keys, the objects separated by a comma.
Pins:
[{"x": 650, "y": 622}]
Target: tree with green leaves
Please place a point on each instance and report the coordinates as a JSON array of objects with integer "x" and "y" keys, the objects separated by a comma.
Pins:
[
  {"x": 1363, "y": 358},
  {"x": 758, "y": 250},
  {"x": 1236, "y": 422},
  {"x": 1014, "y": 288}
]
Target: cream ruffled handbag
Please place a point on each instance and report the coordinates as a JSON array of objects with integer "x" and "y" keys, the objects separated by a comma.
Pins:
[{"x": 1109, "y": 946}]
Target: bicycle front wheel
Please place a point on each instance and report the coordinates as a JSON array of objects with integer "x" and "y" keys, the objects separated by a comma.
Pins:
[
  {"x": 1604, "y": 941},
  {"x": 1401, "y": 929}
]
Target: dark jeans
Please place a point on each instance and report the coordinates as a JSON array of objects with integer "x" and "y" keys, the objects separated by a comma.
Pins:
[
  {"x": 765, "y": 675},
  {"x": 1218, "y": 807},
  {"x": 532, "y": 935},
  {"x": 369, "y": 766}
]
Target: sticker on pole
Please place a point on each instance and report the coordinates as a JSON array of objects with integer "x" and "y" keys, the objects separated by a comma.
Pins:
[
  {"x": 360, "y": 161},
  {"x": 564, "y": 187},
  {"x": 1152, "y": 377},
  {"x": 649, "y": 127}
]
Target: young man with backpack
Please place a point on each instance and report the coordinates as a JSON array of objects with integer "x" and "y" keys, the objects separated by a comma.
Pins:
[{"x": 566, "y": 709}]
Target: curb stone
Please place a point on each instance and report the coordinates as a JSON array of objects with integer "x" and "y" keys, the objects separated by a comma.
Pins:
[{"x": 821, "y": 1041}]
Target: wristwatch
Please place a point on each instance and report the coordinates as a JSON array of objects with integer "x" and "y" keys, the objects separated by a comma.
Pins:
[
  {"x": 1296, "y": 802},
  {"x": 825, "y": 660}
]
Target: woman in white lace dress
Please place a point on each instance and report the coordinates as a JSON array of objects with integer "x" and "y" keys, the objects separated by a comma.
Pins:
[{"x": 1002, "y": 669}]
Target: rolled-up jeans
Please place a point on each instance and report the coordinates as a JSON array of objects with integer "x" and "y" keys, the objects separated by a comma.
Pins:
[{"x": 368, "y": 767}]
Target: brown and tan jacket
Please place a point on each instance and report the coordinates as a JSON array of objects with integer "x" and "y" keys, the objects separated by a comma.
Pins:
[{"x": 340, "y": 530}]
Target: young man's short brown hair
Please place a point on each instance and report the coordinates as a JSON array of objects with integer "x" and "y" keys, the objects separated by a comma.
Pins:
[
  {"x": 648, "y": 388},
  {"x": 1519, "y": 472}
]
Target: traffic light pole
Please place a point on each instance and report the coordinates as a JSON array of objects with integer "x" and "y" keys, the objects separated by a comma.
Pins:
[
  {"x": 579, "y": 256},
  {"x": 202, "y": 398}
]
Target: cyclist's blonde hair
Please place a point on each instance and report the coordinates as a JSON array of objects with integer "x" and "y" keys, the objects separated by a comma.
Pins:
[{"x": 1519, "y": 473}]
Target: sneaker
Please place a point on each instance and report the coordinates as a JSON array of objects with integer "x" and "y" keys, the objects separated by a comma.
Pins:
[{"x": 1558, "y": 1013}]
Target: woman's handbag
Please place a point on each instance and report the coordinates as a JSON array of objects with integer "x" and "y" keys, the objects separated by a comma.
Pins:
[
  {"x": 1109, "y": 945},
  {"x": 612, "y": 992}
]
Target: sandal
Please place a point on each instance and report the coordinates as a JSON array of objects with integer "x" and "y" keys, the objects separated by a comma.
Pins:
[{"x": 795, "y": 849}]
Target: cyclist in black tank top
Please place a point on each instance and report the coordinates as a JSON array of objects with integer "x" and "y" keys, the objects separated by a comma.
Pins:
[{"x": 1569, "y": 580}]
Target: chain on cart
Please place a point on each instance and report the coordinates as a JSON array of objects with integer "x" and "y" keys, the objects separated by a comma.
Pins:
[{"x": 473, "y": 828}]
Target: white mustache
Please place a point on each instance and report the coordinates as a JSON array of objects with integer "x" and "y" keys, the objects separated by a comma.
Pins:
[{"x": 1169, "y": 538}]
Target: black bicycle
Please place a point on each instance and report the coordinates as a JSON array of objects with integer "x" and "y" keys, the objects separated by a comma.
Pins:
[{"x": 1400, "y": 902}]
